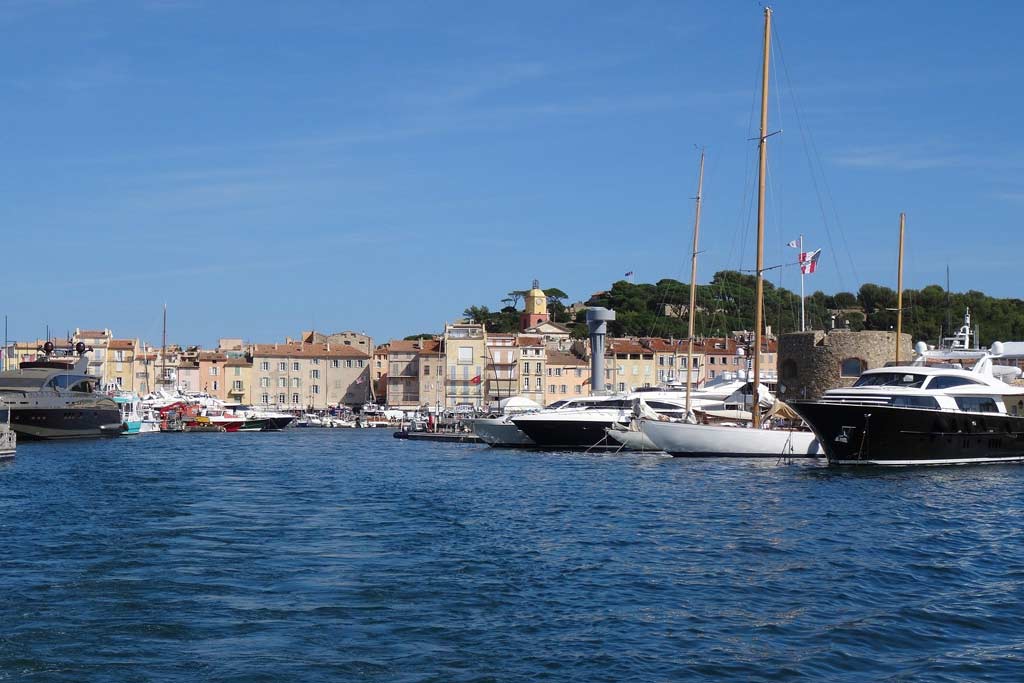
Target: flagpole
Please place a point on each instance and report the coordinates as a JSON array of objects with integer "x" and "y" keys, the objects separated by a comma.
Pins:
[{"x": 803, "y": 318}]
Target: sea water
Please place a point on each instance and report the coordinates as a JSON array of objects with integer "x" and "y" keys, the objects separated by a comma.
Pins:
[{"x": 345, "y": 555}]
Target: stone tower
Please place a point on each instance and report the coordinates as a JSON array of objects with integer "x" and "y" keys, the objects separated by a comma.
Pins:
[{"x": 536, "y": 308}]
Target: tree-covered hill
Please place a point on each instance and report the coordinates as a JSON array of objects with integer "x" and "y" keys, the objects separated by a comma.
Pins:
[{"x": 726, "y": 304}]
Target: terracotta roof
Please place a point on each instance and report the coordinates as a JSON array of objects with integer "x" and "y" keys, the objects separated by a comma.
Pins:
[
  {"x": 626, "y": 346},
  {"x": 667, "y": 346},
  {"x": 560, "y": 326},
  {"x": 562, "y": 358},
  {"x": 121, "y": 344},
  {"x": 523, "y": 340},
  {"x": 212, "y": 356},
  {"x": 238, "y": 362},
  {"x": 90, "y": 334},
  {"x": 299, "y": 350}
]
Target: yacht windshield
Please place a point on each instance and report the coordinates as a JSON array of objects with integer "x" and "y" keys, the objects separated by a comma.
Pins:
[{"x": 891, "y": 379}]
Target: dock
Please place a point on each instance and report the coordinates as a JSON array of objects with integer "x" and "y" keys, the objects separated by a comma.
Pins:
[{"x": 447, "y": 437}]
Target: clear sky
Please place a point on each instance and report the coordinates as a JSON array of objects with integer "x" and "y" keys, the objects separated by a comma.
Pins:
[{"x": 266, "y": 167}]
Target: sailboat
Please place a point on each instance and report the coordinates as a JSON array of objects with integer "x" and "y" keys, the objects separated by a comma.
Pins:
[{"x": 696, "y": 440}]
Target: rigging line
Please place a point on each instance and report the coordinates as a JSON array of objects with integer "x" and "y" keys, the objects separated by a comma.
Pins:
[{"x": 810, "y": 146}]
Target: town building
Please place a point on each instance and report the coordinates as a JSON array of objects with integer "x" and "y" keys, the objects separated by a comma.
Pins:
[
  {"x": 501, "y": 378},
  {"x": 379, "y": 374},
  {"x": 628, "y": 365},
  {"x": 403, "y": 376},
  {"x": 555, "y": 335},
  {"x": 532, "y": 367},
  {"x": 211, "y": 373},
  {"x": 465, "y": 346},
  {"x": 300, "y": 375},
  {"x": 97, "y": 341},
  {"x": 120, "y": 365},
  {"x": 567, "y": 376},
  {"x": 238, "y": 379},
  {"x": 536, "y": 308},
  {"x": 432, "y": 360}
]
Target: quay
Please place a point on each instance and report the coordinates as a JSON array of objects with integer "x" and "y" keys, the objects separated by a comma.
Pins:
[{"x": 447, "y": 437}]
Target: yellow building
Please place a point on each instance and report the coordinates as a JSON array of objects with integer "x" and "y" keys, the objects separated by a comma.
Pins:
[
  {"x": 629, "y": 365},
  {"x": 568, "y": 376},
  {"x": 238, "y": 380},
  {"x": 465, "y": 346},
  {"x": 119, "y": 368}
]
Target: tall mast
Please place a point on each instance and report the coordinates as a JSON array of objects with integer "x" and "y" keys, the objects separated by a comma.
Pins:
[
  {"x": 803, "y": 316},
  {"x": 761, "y": 181},
  {"x": 693, "y": 284},
  {"x": 163, "y": 351},
  {"x": 899, "y": 290}
]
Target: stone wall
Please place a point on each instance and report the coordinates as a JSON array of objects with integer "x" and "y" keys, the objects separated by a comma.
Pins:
[{"x": 810, "y": 363}]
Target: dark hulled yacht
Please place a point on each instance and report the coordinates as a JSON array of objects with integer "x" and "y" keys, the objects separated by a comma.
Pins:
[
  {"x": 55, "y": 397},
  {"x": 916, "y": 415}
]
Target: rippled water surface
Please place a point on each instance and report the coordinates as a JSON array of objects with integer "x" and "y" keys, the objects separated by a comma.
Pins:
[{"x": 341, "y": 555}]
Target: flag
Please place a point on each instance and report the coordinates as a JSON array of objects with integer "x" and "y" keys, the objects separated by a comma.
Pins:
[
  {"x": 809, "y": 261},
  {"x": 475, "y": 380},
  {"x": 629, "y": 274},
  {"x": 795, "y": 244}
]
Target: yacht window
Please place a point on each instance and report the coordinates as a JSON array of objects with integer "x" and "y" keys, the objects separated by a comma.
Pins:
[
  {"x": 63, "y": 381},
  {"x": 608, "y": 404},
  {"x": 976, "y": 404},
  {"x": 659, "y": 405},
  {"x": 85, "y": 386},
  {"x": 556, "y": 404},
  {"x": 927, "y": 402},
  {"x": 891, "y": 379},
  {"x": 942, "y": 382}
]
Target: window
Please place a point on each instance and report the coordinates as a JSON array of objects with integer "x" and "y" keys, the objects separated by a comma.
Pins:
[
  {"x": 316, "y": 361},
  {"x": 359, "y": 363},
  {"x": 564, "y": 389},
  {"x": 711, "y": 373},
  {"x": 540, "y": 369},
  {"x": 282, "y": 366},
  {"x": 295, "y": 366},
  {"x": 265, "y": 399},
  {"x": 213, "y": 371},
  {"x": 280, "y": 398},
  {"x": 950, "y": 382},
  {"x": 578, "y": 389},
  {"x": 661, "y": 375},
  {"x": 549, "y": 372},
  {"x": 890, "y": 379},
  {"x": 118, "y": 381},
  {"x": 315, "y": 374},
  {"x": 337, "y": 363},
  {"x": 927, "y": 402},
  {"x": 264, "y": 382},
  {"x": 216, "y": 385},
  {"x": 119, "y": 356},
  {"x": 622, "y": 386},
  {"x": 552, "y": 388},
  {"x": 661, "y": 360},
  {"x": 789, "y": 370},
  {"x": 579, "y": 372},
  {"x": 295, "y": 398},
  {"x": 465, "y": 355},
  {"x": 316, "y": 388},
  {"x": 238, "y": 385},
  {"x": 526, "y": 384},
  {"x": 282, "y": 382},
  {"x": 712, "y": 360},
  {"x": 526, "y": 367},
  {"x": 295, "y": 382},
  {"x": 238, "y": 372},
  {"x": 976, "y": 404},
  {"x": 265, "y": 367},
  {"x": 850, "y": 367},
  {"x": 558, "y": 372},
  {"x": 348, "y": 363}
]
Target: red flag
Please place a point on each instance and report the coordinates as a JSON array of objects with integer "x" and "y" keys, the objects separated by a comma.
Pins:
[
  {"x": 475, "y": 380},
  {"x": 809, "y": 261}
]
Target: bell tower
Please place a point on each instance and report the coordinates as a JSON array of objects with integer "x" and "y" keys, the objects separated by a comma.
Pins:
[{"x": 536, "y": 308}]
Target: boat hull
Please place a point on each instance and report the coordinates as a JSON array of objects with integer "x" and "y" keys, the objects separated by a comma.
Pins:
[
  {"x": 569, "y": 434},
  {"x": 276, "y": 424},
  {"x": 682, "y": 439},
  {"x": 881, "y": 435},
  {"x": 633, "y": 440},
  {"x": 501, "y": 432},
  {"x": 66, "y": 423}
]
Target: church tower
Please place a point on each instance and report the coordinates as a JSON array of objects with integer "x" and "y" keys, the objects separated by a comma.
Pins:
[{"x": 536, "y": 308}]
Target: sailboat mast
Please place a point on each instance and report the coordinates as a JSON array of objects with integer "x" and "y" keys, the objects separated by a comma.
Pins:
[
  {"x": 163, "y": 351},
  {"x": 693, "y": 284},
  {"x": 761, "y": 183},
  {"x": 899, "y": 290}
]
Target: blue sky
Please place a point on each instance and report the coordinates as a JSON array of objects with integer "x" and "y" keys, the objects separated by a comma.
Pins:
[{"x": 266, "y": 167}]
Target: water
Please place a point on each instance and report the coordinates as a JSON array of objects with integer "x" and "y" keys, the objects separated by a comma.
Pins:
[{"x": 330, "y": 555}]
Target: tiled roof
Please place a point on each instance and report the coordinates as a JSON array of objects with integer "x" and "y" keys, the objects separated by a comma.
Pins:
[
  {"x": 121, "y": 344},
  {"x": 626, "y": 346},
  {"x": 238, "y": 362},
  {"x": 561, "y": 358},
  {"x": 523, "y": 340},
  {"x": 300, "y": 350},
  {"x": 92, "y": 334},
  {"x": 212, "y": 356}
]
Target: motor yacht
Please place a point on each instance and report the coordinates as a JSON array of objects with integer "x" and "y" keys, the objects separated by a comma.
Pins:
[{"x": 55, "y": 397}]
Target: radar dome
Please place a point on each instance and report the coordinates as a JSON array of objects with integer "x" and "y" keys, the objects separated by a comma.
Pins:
[
  {"x": 997, "y": 348},
  {"x": 920, "y": 347}
]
